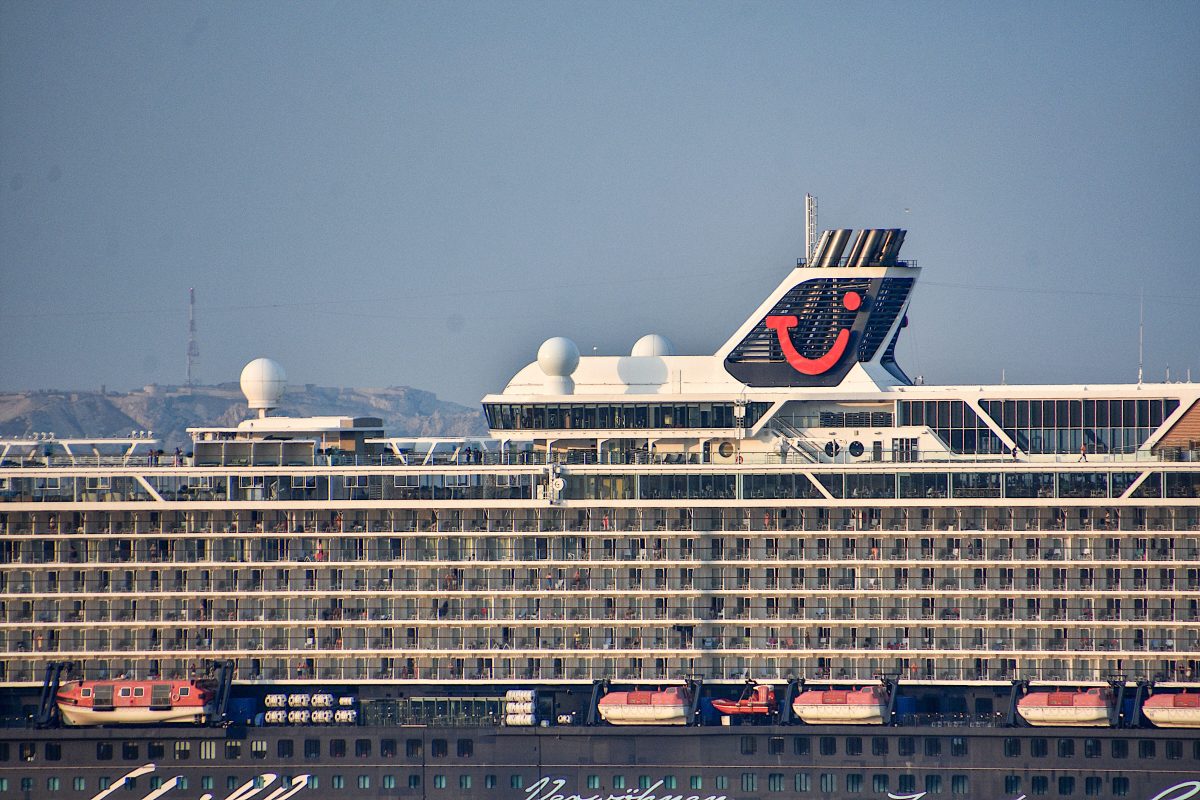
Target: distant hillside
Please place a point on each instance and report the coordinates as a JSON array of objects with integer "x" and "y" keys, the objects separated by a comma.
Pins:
[{"x": 169, "y": 410}]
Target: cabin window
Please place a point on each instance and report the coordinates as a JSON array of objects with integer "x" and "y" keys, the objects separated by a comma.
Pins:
[
  {"x": 1147, "y": 748},
  {"x": 258, "y": 749},
  {"x": 828, "y": 746},
  {"x": 53, "y": 751},
  {"x": 1173, "y": 747},
  {"x": 518, "y": 782},
  {"x": 803, "y": 782},
  {"x": 183, "y": 751},
  {"x": 749, "y": 782},
  {"x": 801, "y": 746},
  {"x": 933, "y": 746},
  {"x": 933, "y": 784},
  {"x": 908, "y": 783},
  {"x": 854, "y": 783},
  {"x": 85, "y": 692},
  {"x": 438, "y": 748},
  {"x": 958, "y": 746},
  {"x": 1066, "y": 748},
  {"x": 1091, "y": 748},
  {"x": 854, "y": 745},
  {"x": 775, "y": 782},
  {"x": 362, "y": 748},
  {"x": 208, "y": 751},
  {"x": 1012, "y": 747},
  {"x": 1012, "y": 784},
  {"x": 1066, "y": 786},
  {"x": 1038, "y": 748},
  {"x": 364, "y": 781},
  {"x": 387, "y": 748},
  {"x": 184, "y": 691},
  {"x": 775, "y": 746},
  {"x": 139, "y": 691},
  {"x": 879, "y": 746},
  {"x": 906, "y": 746},
  {"x": 285, "y": 748},
  {"x": 125, "y": 692},
  {"x": 1120, "y": 748},
  {"x": 1120, "y": 787},
  {"x": 466, "y": 748},
  {"x": 879, "y": 783},
  {"x": 156, "y": 751},
  {"x": 129, "y": 751},
  {"x": 337, "y": 748},
  {"x": 959, "y": 784},
  {"x": 749, "y": 746},
  {"x": 104, "y": 751},
  {"x": 1093, "y": 786},
  {"x": 312, "y": 748},
  {"x": 28, "y": 751},
  {"x": 412, "y": 748}
]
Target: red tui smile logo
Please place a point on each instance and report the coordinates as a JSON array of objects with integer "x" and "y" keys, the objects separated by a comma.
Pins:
[{"x": 782, "y": 324}]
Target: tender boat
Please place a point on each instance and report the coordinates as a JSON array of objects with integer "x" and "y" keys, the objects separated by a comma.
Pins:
[
  {"x": 1173, "y": 710},
  {"x": 1090, "y": 708},
  {"x": 135, "y": 702},
  {"x": 670, "y": 706},
  {"x": 756, "y": 700},
  {"x": 865, "y": 706}
]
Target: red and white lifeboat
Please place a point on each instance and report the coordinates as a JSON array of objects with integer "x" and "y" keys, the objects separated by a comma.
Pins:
[
  {"x": 1082, "y": 709},
  {"x": 131, "y": 702},
  {"x": 865, "y": 706},
  {"x": 1173, "y": 710},
  {"x": 757, "y": 700},
  {"x": 669, "y": 706}
]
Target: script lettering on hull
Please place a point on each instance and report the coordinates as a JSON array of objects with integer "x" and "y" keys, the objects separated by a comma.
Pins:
[{"x": 265, "y": 790}]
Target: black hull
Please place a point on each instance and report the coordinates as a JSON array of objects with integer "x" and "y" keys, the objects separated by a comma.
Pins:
[{"x": 740, "y": 763}]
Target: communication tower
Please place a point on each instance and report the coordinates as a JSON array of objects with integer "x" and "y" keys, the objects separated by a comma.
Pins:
[{"x": 193, "y": 349}]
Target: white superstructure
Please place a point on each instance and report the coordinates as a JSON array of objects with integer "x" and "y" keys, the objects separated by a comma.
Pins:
[{"x": 790, "y": 505}]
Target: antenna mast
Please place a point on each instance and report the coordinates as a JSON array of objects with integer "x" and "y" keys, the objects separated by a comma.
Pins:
[
  {"x": 810, "y": 226},
  {"x": 193, "y": 349},
  {"x": 1141, "y": 331}
]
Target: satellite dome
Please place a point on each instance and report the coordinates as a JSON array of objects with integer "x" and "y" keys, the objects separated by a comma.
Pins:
[
  {"x": 652, "y": 344},
  {"x": 558, "y": 357},
  {"x": 263, "y": 382}
]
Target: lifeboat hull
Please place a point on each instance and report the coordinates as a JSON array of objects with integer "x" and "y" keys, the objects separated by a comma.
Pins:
[
  {"x": 840, "y": 707},
  {"x": 741, "y": 708},
  {"x": 670, "y": 707},
  {"x": 1066, "y": 709},
  {"x": 81, "y": 715},
  {"x": 1173, "y": 710}
]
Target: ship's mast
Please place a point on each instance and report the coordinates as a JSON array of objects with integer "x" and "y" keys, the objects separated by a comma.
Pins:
[{"x": 810, "y": 226}]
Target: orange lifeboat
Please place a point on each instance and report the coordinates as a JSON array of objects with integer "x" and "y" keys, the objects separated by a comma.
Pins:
[
  {"x": 130, "y": 702},
  {"x": 1072, "y": 709},
  {"x": 669, "y": 706},
  {"x": 756, "y": 700},
  {"x": 865, "y": 706},
  {"x": 1173, "y": 710}
]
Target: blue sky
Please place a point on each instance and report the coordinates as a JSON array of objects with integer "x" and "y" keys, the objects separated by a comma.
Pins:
[{"x": 420, "y": 193}]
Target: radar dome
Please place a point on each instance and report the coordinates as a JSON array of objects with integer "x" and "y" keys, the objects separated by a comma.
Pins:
[
  {"x": 652, "y": 344},
  {"x": 263, "y": 382},
  {"x": 558, "y": 357}
]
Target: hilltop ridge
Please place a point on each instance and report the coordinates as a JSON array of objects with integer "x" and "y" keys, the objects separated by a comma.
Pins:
[{"x": 170, "y": 410}]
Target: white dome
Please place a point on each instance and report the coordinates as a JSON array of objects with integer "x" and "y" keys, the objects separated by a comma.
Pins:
[
  {"x": 558, "y": 357},
  {"x": 263, "y": 382},
  {"x": 652, "y": 344}
]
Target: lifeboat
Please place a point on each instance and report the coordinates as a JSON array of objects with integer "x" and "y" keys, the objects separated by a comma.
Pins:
[
  {"x": 1173, "y": 710},
  {"x": 130, "y": 702},
  {"x": 1072, "y": 709},
  {"x": 865, "y": 706},
  {"x": 669, "y": 706},
  {"x": 756, "y": 700}
]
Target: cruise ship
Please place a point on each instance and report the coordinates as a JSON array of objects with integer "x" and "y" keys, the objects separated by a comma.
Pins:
[{"x": 781, "y": 570}]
